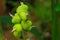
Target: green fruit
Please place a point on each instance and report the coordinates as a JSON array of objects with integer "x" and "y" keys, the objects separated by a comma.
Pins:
[
  {"x": 23, "y": 16},
  {"x": 22, "y": 8},
  {"x": 17, "y": 34},
  {"x": 17, "y": 27},
  {"x": 16, "y": 19},
  {"x": 26, "y": 25},
  {"x": 29, "y": 22},
  {"x": 30, "y": 28}
]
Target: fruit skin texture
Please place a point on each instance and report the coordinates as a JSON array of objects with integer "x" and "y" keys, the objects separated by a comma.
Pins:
[
  {"x": 17, "y": 34},
  {"x": 26, "y": 25},
  {"x": 22, "y": 8},
  {"x": 16, "y": 19},
  {"x": 23, "y": 16},
  {"x": 17, "y": 27},
  {"x": 29, "y": 22}
]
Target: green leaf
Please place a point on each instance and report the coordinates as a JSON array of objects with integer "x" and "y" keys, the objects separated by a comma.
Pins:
[
  {"x": 57, "y": 8},
  {"x": 36, "y": 32}
]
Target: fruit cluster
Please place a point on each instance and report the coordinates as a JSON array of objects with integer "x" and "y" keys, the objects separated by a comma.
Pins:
[{"x": 21, "y": 21}]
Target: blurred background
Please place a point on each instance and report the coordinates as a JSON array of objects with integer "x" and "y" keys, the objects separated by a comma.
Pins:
[{"x": 45, "y": 15}]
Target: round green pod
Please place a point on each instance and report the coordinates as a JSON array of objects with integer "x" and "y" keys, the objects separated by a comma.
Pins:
[
  {"x": 26, "y": 25},
  {"x": 29, "y": 22},
  {"x": 29, "y": 28},
  {"x": 17, "y": 34},
  {"x": 17, "y": 27},
  {"x": 23, "y": 15},
  {"x": 16, "y": 19},
  {"x": 22, "y": 8}
]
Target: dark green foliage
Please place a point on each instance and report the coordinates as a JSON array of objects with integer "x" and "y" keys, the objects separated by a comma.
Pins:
[
  {"x": 43, "y": 12},
  {"x": 57, "y": 8},
  {"x": 36, "y": 32},
  {"x": 7, "y": 20}
]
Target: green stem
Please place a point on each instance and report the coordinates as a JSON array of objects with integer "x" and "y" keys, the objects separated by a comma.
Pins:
[
  {"x": 24, "y": 35},
  {"x": 55, "y": 27}
]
